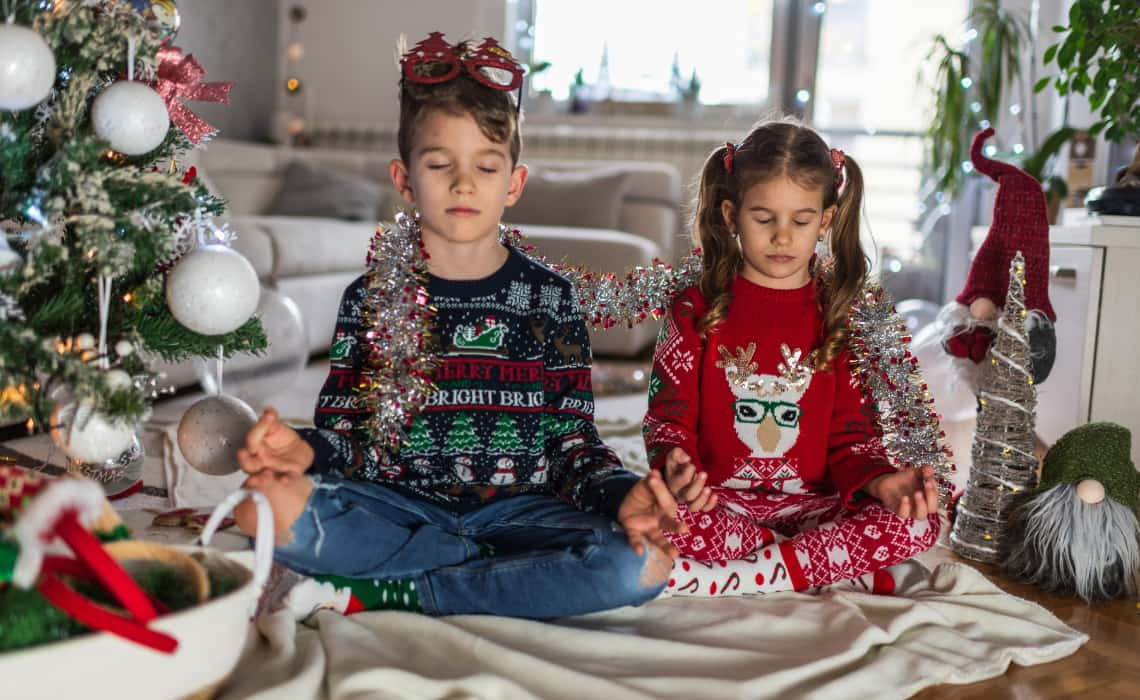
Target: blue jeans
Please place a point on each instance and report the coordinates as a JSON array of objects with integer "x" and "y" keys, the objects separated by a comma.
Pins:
[{"x": 551, "y": 560}]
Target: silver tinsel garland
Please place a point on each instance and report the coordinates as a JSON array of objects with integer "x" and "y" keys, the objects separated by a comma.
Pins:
[
  {"x": 609, "y": 300},
  {"x": 1004, "y": 463},
  {"x": 398, "y": 340},
  {"x": 911, "y": 432}
]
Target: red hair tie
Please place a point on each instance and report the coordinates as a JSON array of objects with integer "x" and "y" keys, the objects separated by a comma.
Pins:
[
  {"x": 729, "y": 156},
  {"x": 838, "y": 159}
]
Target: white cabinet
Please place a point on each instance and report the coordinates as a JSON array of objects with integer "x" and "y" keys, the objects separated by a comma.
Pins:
[{"x": 1094, "y": 286}]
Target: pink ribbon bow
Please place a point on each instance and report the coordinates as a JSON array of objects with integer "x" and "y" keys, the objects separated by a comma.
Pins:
[{"x": 180, "y": 75}]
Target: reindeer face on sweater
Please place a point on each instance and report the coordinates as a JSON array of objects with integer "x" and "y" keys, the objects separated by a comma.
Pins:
[{"x": 766, "y": 413}]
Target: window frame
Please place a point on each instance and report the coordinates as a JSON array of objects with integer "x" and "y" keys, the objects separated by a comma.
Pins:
[{"x": 791, "y": 63}]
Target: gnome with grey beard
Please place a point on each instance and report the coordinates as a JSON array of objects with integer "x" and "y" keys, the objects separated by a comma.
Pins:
[{"x": 1078, "y": 532}]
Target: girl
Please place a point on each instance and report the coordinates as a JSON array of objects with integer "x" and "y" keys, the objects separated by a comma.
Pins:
[{"x": 754, "y": 416}]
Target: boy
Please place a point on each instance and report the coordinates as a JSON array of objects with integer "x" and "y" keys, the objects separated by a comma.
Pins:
[{"x": 510, "y": 431}]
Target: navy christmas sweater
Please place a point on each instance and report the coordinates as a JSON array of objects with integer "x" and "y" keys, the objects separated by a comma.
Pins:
[{"x": 513, "y": 413}]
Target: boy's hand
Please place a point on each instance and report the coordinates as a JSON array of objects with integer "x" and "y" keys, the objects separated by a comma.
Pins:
[
  {"x": 647, "y": 512},
  {"x": 686, "y": 483},
  {"x": 271, "y": 444},
  {"x": 910, "y": 493}
]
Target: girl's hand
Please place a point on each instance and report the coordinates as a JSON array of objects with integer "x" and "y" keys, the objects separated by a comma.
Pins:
[
  {"x": 686, "y": 483},
  {"x": 910, "y": 493},
  {"x": 271, "y": 444}
]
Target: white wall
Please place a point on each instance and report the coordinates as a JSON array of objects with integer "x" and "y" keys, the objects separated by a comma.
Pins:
[
  {"x": 234, "y": 41},
  {"x": 349, "y": 70}
]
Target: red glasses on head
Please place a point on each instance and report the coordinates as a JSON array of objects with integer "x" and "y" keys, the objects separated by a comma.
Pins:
[{"x": 433, "y": 60}]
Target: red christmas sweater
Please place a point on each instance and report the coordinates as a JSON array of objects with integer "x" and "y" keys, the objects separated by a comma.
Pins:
[{"x": 745, "y": 404}]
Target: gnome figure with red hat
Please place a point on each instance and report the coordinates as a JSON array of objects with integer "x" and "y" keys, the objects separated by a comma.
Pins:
[
  {"x": 1020, "y": 223},
  {"x": 952, "y": 348}
]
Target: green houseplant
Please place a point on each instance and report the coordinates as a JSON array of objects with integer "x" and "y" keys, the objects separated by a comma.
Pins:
[
  {"x": 1099, "y": 54},
  {"x": 968, "y": 92}
]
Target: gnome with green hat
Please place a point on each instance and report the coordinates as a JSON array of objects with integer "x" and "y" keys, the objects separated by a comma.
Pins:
[{"x": 1078, "y": 531}]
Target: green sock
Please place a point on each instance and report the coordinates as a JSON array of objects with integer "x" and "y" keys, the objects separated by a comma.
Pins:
[{"x": 375, "y": 594}]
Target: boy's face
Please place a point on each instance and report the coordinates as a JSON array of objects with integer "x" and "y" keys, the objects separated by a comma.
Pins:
[{"x": 458, "y": 179}]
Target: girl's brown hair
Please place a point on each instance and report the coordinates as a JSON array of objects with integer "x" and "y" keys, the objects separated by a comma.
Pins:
[
  {"x": 493, "y": 110},
  {"x": 774, "y": 149}
]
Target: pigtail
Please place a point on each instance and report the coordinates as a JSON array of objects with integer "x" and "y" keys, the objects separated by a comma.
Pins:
[
  {"x": 847, "y": 271},
  {"x": 720, "y": 254}
]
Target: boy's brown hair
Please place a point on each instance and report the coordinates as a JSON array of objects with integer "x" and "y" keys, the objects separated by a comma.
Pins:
[{"x": 493, "y": 110}]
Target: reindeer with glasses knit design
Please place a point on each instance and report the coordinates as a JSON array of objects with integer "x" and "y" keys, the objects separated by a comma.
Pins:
[{"x": 766, "y": 416}]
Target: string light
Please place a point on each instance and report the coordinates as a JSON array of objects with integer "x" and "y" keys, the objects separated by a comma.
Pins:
[{"x": 1004, "y": 462}]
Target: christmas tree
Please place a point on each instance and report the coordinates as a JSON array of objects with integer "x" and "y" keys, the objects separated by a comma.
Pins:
[
  {"x": 462, "y": 438},
  {"x": 103, "y": 255},
  {"x": 419, "y": 437},
  {"x": 1004, "y": 463},
  {"x": 506, "y": 438}
]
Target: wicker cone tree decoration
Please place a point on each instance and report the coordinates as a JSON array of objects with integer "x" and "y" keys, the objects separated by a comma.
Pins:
[{"x": 1004, "y": 463}]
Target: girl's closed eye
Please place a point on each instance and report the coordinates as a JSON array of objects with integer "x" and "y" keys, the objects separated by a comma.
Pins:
[
  {"x": 438, "y": 166},
  {"x": 490, "y": 169}
]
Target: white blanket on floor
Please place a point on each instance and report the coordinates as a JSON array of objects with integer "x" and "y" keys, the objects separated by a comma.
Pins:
[{"x": 949, "y": 626}]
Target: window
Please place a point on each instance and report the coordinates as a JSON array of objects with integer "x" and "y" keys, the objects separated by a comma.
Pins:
[
  {"x": 645, "y": 50},
  {"x": 881, "y": 120},
  {"x": 848, "y": 67}
]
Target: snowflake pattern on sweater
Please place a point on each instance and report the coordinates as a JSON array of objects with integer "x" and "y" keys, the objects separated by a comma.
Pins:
[{"x": 513, "y": 413}]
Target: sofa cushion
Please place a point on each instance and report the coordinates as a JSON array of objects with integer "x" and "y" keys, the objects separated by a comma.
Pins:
[
  {"x": 308, "y": 189},
  {"x": 586, "y": 198},
  {"x": 311, "y": 245}
]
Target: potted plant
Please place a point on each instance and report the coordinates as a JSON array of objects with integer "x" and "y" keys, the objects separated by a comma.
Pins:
[
  {"x": 1040, "y": 165},
  {"x": 540, "y": 101},
  {"x": 968, "y": 95},
  {"x": 579, "y": 102},
  {"x": 1099, "y": 55}
]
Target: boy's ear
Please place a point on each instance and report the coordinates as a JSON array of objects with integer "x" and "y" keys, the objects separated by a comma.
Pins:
[
  {"x": 518, "y": 181},
  {"x": 728, "y": 213},
  {"x": 398, "y": 171}
]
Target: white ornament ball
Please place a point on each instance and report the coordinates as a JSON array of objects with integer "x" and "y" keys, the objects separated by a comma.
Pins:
[
  {"x": 86, "y": 435},
  {"x": 212, "y": 290},
  {"x": 1090, "y": 491},
  {"x": 118, "y": 380},
  {"x": 131, "y": 116},
  {"x": 84, "y": 341},
  {"x": 212, "y": 431},
  {"x": 27, "y": 67},
  {"x": 123, "y": 348}
]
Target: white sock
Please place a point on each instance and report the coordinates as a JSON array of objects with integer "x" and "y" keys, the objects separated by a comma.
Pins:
[{"x": 763, "y": 571}]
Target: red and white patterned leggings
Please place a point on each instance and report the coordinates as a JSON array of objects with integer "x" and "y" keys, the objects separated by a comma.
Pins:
[{"x": 798, "y": 541}]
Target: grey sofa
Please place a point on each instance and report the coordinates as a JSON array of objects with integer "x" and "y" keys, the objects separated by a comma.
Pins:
[{"x": 312, "y": 259}]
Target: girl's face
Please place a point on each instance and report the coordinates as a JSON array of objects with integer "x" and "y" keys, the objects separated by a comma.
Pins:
[{"x": 778, "y": 225}]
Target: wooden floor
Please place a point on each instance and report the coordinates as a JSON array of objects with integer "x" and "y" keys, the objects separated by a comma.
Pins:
[{"x": 1107, "y": 666}]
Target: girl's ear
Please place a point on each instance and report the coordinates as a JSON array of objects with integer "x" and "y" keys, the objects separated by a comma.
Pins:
[
  {"x": 728, "y": 213},
  {"x": 828, "y": 215},
  {"x": 398, "y": 171}
]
